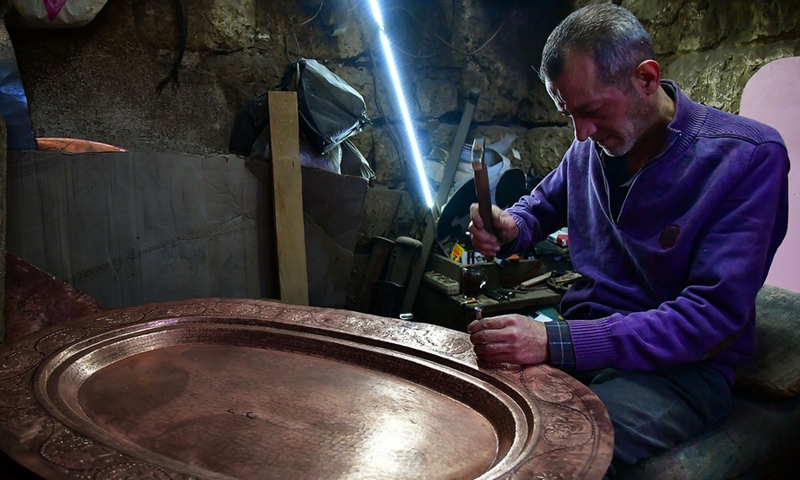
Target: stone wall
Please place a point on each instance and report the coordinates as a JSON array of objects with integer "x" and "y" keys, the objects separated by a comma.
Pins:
[
  {"x": 713, "y": 47},
  {"x": 98, "y": 82}
]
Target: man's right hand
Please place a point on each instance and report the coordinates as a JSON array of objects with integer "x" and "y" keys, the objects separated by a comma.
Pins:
[
  {"x": 504, "y": 225},
  {"x": 509, "y": 339}
]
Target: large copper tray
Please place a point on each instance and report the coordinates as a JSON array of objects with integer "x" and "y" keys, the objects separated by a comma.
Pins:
[{"x": 249, "y": 389}]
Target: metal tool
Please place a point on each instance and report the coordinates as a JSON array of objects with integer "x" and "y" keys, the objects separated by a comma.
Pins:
[
  {"x": 387, "y": 294},
  {"x": 386, "y": 299},
  {"x": 381, "y": 250},
  {"x": 406, "y": 251},
  {"x": 482, "y": 190},
  {"x": 494, "y": 295}
]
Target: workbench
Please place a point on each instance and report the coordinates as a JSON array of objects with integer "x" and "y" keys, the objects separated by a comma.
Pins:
[{"x": 453, "y": 311}]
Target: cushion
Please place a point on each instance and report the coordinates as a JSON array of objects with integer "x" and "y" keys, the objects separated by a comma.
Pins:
[
  {"x": 775, "y": 369},
  {"x": 756, "y": 432}
]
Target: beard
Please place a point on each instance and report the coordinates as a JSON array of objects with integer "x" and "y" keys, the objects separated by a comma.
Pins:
[{"x": 623, "y": 140}]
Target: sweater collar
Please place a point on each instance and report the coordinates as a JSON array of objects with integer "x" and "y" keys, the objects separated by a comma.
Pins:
[
  {"x": 683, "y": 129},
  {"x": 685, "y": 125}
]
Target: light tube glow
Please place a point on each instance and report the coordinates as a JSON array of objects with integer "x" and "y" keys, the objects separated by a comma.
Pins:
[{"x": 401, "y": 99}]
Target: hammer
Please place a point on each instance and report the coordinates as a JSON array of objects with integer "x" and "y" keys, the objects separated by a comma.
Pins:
[{"x": 482, "y": 190}]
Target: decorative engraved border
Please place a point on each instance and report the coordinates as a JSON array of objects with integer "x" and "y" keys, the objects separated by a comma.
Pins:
[{"x": 576, "y": 437}]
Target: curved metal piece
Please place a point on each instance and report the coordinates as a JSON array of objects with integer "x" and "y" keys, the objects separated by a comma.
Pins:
[{"x": 246, "y": 389}]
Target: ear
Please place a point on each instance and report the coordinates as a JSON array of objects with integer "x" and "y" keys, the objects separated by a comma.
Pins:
[{"x": 647, "y": 76}]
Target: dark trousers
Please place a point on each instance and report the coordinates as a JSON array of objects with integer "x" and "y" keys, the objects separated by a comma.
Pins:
[{"x": 653, "y": 411}]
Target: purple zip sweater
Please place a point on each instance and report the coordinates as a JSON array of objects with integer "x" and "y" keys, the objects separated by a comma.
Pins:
[{"x": 673, "y": 280}]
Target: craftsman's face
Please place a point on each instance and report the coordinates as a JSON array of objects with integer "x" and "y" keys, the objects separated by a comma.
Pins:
[{"x": 612, "y": 116}]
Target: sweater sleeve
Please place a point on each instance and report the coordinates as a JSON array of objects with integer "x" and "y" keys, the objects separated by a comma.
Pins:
[
  {"x": 542, "y": 212},
  {"x": 732, "y": 255}
]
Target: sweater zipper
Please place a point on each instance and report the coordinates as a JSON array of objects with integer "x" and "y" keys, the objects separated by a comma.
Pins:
[
  {"x": 634, "y": 178},
  {"x": 625, "y": 200},
  {"x": 608, "y": 189}
]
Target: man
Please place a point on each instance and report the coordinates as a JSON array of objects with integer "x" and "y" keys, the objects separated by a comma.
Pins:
[{"x": 674, "y": 210}]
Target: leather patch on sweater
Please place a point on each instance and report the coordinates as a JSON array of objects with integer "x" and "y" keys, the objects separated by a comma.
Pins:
[{"x": 669, "y": 236}]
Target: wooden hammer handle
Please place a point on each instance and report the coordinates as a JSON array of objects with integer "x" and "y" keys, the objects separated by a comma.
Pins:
[{"x": 482, "y": 190}]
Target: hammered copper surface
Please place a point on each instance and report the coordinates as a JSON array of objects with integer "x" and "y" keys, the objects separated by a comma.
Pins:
[
  {"x": 221, "y": 388},
  {"x": 35, "y": 300}
]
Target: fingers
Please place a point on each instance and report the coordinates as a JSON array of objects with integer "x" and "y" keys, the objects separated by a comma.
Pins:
[
  {"x": 512, "y": 367},
  {"x": 493, "y": 352},
  {"x": 483, "y": 241},
  {"x": 493, "y": 323},
  {"x": 474, "y": 326},
  {"x": 505, "y": 227},
  {"x": 499, "y": 353},
  {"x": 509, "y": 338},
  {"x": 477, "y": 221},
  {"x": 493, "y": 334},
  {"x": 489, "y": 351}
]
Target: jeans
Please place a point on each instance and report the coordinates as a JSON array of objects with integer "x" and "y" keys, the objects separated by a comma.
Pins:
[{"x": 651, "y": 412}]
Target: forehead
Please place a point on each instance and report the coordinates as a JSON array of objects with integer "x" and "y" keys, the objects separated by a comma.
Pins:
[{"x": 578, "y": 83}]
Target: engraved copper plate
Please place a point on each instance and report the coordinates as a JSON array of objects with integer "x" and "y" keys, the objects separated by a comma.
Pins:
[{"x": 250, "y": 389}]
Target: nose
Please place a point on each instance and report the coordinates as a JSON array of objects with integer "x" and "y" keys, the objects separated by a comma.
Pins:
[{"x": 583, "y": 128}]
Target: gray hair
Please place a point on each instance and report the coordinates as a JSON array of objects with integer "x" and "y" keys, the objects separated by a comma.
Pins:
[{"x": 616, "y": 39}]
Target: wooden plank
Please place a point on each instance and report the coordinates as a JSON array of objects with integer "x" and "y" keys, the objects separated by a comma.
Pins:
[{"x": 288, "y": 197}]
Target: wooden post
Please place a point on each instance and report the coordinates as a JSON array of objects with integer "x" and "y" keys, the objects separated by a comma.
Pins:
[{"x": 288, "y": 197}]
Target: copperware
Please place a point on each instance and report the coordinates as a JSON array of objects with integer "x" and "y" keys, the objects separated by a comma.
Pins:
[{"x": 251, "y": 389}]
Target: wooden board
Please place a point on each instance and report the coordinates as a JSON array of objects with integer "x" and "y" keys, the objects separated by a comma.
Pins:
[{"x": 288, "y": 192}]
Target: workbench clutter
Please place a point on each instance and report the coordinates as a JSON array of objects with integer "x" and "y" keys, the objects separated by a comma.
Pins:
[
  {"x": 271, "y": 225},
  {"x": 549, "y": 265},
  {"x": 489, "y": 163},
  {"x": 473, "y": 281},
  {"x": 316, "y": 126},
  {"x": 459, "y": 280},
  {"x": 385, "y": 284},
  {"x": 330, "y": 113},
  {"x": 451, "y": 291},
  {"x": 499, "y": 157}
]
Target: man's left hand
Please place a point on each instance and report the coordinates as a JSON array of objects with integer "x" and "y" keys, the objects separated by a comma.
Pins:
[{"x": 511, "y": 339}]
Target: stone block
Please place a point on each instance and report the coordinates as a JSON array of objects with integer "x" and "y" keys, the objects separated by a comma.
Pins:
[{"x": 543, "y": 148}]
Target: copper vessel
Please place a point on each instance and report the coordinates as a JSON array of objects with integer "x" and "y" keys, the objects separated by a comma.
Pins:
[{"x": 252, "y": 389}]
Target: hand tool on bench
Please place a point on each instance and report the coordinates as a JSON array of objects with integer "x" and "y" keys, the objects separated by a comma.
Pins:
[
  {"x": 390, "y": 291},
  {"x": 386, "y": 299},
  {"x": 406, "y": 251},
  {"x": 494, "y": 294},
  {"x": 381, "y": 251},
  {"x": 482, "y": 190}
]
